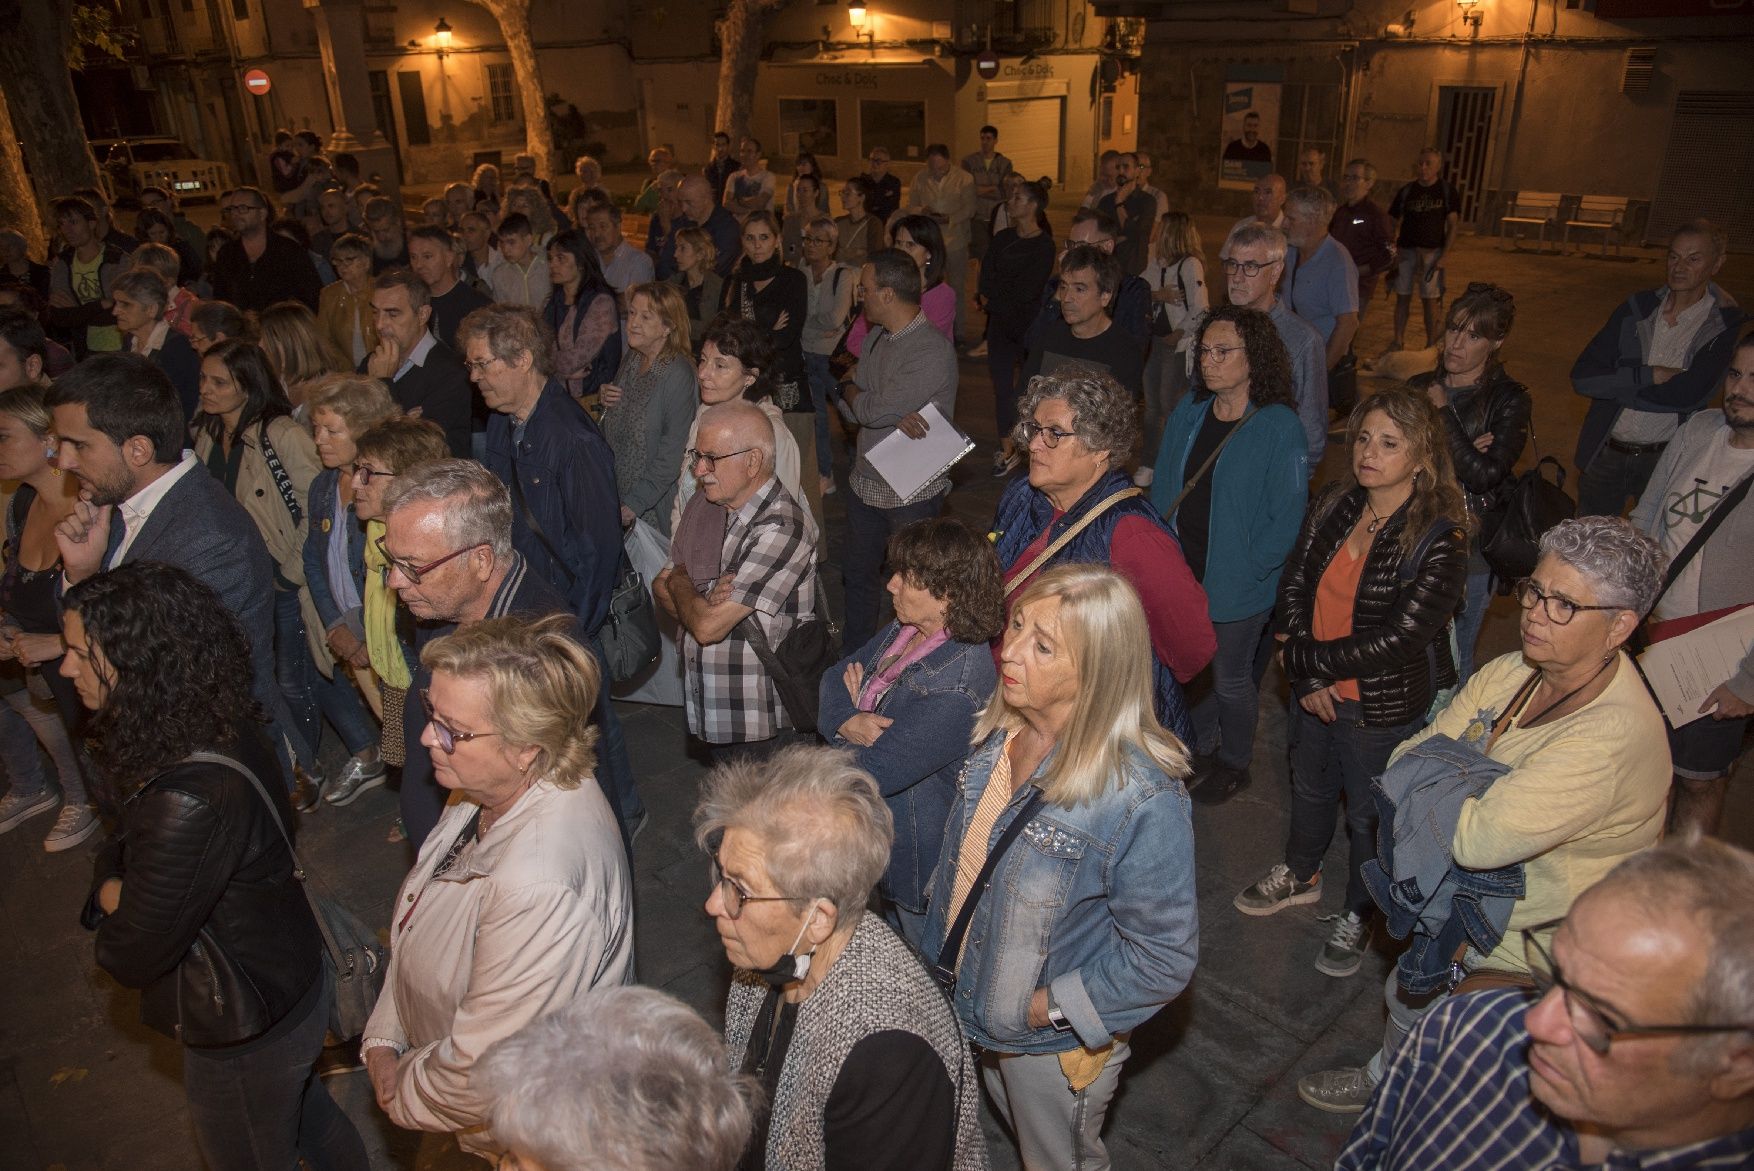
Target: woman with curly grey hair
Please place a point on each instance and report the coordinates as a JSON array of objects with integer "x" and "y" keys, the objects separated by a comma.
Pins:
[
  {"x": 1586, "y": 748},
  {"x": 1079, "y": 505}
]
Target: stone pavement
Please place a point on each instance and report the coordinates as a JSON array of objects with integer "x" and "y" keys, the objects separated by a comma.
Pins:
[{"x": 1212, "y": 1083}]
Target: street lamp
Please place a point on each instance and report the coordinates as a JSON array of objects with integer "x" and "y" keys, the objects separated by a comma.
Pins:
[
  {"x": 442, "y": 37},
  {"x": 856, "y": 12},
  {"x": 1471, "y": 14}
]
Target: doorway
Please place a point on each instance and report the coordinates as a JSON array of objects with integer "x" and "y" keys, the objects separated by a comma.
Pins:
[
  {"x": 384, "y": 114},
  {"x": 1464, "y": 134}
]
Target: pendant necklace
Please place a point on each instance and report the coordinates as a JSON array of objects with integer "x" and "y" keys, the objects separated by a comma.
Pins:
[{"x": 1375, "y": 519}]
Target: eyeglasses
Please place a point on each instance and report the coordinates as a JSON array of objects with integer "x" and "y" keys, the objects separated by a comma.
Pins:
[
  {"x": 1247, "y": 267},
  {"x": 1216, "y": 353},
  {"x": 1593, "y": 1022},
  {"x": 1560, "y": 611},
  {"x": 480, "y": 365},
  {"x": 734, "y": 896},
  {"x": 415, "y": 572},
  {"x": 234, "y": 208},
  {"x": 1050, "y": 436},
  {"x": 366, "y": 475},
  {"x": 818, "y": 240},
  {"x": 447, "y": 736},
  {"x": 711, "y": 461}
]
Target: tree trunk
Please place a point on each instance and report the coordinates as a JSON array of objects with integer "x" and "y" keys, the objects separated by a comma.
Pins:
[
  {"x": 39, "y": 92},
  {"x": 514, "y": 24},
  {"x": 740, "y": 44},
  {"x": 18, "y": 205}
]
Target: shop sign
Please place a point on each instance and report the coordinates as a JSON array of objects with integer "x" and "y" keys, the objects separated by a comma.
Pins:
[
  {"x": 1029, "y": 71},
  {"x": 847, "y": 78}
]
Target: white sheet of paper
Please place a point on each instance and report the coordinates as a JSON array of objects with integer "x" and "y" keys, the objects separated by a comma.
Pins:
[
  {"x": 910, "y": 464},
  {"x": 1685, "y": 669}
]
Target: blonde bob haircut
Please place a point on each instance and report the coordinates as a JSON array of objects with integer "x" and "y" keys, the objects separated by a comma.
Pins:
[
  {"x": 361, "y": 402},
  {"x": 541, "y": 685},
  {"x": 1102, "y": 630},
  {"x": 668, "y": 303}
]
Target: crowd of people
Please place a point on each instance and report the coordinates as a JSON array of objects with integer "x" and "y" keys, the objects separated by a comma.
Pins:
[{"x": 324, "y": 467}]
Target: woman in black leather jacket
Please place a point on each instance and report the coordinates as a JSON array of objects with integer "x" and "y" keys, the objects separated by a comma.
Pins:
[
  {"x": 194, "y": 900},
  {"x": 1486, "y": 418},
  {"x": 1364, "y": 601}
]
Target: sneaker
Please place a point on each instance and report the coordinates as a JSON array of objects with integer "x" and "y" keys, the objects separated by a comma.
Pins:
[
  {"x": 73, "y": 826},
  {"x": 826, "y": 484},
  {"x": 1344, "y": 951},
  {"x": 398, "y": 833},
  {"x": 1220, "y": 784},
  {"x": 1277, "y": 891},
  {"x": 307, "y": 790},
  {"x": 355, "y": 779},
  {"x": 1142, "y": 477},
  {"x": 1338, "y": 1091},
  {"x": 1004, "y": 465},
  {"x": 16, "y": 810},
  {"x": 340, "y": 1060}
]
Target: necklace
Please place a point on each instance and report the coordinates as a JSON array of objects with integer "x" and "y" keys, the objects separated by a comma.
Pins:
[
  {"x": 1375, "y": 519},
  {"x": 1544, "y": 712}
]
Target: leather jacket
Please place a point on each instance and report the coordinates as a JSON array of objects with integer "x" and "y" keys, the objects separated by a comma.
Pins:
[
  {"x": 212, "y": 927},
  {"x": 1501, "y": 406},
  {"x": 1397, "y": 650}
]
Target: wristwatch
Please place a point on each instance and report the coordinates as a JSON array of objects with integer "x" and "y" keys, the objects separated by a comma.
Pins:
[{"x": 1056, "y": 1018}]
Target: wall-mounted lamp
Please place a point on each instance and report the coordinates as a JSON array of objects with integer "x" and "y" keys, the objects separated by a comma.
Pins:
[
  {"x": 441, "y": 37},
  {"x": 1471, "y": 14},
  {"x": 856, "y": 12}
]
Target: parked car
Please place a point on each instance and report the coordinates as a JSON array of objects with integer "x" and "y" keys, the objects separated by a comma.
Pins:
[{"x": 132, "y": 163}]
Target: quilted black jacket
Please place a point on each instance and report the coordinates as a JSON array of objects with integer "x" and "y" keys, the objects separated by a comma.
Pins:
[
  {"x": 213, "y": 927},
  {"x": 1396, "y": 651},
  {"x": 1500, "y": 406}
]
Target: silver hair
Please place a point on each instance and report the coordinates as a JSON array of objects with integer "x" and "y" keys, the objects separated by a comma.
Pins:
[
  {"x": 143, "y": 284},
  {"x": 623, "y": 1078},
  {"x": 1272, "y": 239},
  {"x": 1102, "y": 411},
  {"x": 480, "y": 508},
  {"x": 1311, "y": 199},
  {"x": 743, "y": 417},
  {"x": 826, "y": 225},
  {"x": 1624, "y": 565},
  {"x": 823, "y": 828}
]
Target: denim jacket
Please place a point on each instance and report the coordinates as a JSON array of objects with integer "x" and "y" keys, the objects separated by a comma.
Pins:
[
  {"x": 1096, "y": 902},
  {"x": 320, "y": 503},
  {"x": 933, "y": 704}
]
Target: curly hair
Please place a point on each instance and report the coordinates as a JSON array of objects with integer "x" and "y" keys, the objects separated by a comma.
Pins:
[
  {"x": 1436, "y": 492},
  {"x": 1269, "y": 362},
  {"x": 179, "y": 669},
  {"x": 1624, "y": 565},
  {"x": 1103, "y": 412},
  {"x": 942, "y": 556}
]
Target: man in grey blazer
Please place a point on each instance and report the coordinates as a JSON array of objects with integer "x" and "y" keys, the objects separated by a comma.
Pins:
[{"x": 144, "y": 497}]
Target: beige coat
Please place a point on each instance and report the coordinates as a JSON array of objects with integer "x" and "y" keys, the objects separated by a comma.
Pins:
[
  {"x": 337, "y": 311},
  {"x": 529, "y": 917},
  {"x": 261, "y": 498}
]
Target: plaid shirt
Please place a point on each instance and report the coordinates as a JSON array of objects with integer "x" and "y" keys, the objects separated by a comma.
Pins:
[
  {"x": 1457, "y": 1096},
  {"x": 769, "y": 556}
]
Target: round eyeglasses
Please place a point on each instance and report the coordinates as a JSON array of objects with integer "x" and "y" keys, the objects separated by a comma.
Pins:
[{"x": 1560, "y": 610}]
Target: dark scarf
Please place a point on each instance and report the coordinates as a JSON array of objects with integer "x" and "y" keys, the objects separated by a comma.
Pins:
[{"x": 750, "y": 271}]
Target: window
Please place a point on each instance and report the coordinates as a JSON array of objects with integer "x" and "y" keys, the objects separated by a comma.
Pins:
[
  {"x": 1309, "y": 115},
  {"x": 240, "y": 9},
  {"x": 502, "y": 96},
  {"x": 413, "y": 108},
  {"x": 809, "y": 124},
  {"x": 899, "y": 126}
]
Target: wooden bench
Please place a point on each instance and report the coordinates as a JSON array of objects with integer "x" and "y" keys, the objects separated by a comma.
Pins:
[
  {"x": 1603, "y": 213},
  {"x": 1537, "y": 208}
]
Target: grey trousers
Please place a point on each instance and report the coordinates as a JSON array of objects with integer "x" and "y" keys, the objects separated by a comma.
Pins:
[{"x": 1056, "y": 1129}]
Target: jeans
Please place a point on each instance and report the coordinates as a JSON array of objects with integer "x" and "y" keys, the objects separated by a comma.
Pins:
[
  {"x": 1404, "y": 1013},
  {"x": 614, "y": 770},
  {"x": 823, "y": 392},
  {"x": 868, "y": 533},
  {"x": 1329, "y": 761},
  {"x": 1055, "y": 1128},
  {"x": 293, "y": 672},
  {"x": 1005, "y": 354},
  {"x": 267, "y": 1108},
  {"x": 45, "y": 726},
  {"x": 1166, "y": 380},
  {"x": 910, "y": 925},
  {"x": 1224, "y": 717},
  {"x": 1469, "y": 621},
  {"x": 341, "y": 702},
  {"x": 1612, "y": 478}
]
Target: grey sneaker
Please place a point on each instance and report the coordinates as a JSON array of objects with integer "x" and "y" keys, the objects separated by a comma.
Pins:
[
  {"x": 355, "y": 779},
  {"x": 73, "y": 826},
  {"x": 16, "y": 810},
  {"x": 1344, "y": 951},
  {"x": 1277, "y": 891},
  {"x": 1338, "y": 1091}
]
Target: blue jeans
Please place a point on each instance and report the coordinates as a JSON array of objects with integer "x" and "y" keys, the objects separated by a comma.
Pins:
[
  {"x": 267, "y": 1107},
  {"x": 1612, "y": 479},
  {"x": 1224, "y": 717},
  {"x": 1469, "y": 621},
  {"x": 1005, "y": 353},
  {"x": 1329, "y": 761},
  {"x": 293, "y": 673},
  {"x": 822, "y": 393},
  {"x": 614, "y": 769},
  {"x": 345, "y": 709},
  {"x": 868, "y": 533}
]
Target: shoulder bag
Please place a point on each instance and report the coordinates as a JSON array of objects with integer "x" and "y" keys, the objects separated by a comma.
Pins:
[
  {"x": 1207, "y": 466},
  {"x": 351, "y": 951},
  {"x": 1510, "y": 532},
  {"x": 282, "y": 481},
  {"x": 1059, "y": 543},
  {"x": 798, "y": 664}
]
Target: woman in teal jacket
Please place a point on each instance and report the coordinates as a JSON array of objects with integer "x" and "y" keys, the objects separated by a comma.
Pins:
[{"x": 1232, "y": 480}]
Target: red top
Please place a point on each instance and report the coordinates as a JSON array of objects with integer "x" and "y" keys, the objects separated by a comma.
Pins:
[
  {"x": 1175, "y": 605},
  {"x": 1332, "y": 619}
]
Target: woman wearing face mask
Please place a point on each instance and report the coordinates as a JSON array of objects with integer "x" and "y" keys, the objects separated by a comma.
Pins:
[
  {"x": 1486, "y": 416},
  {"x": 648, "y": 409},
  {"x": 860, "y": 1056}
]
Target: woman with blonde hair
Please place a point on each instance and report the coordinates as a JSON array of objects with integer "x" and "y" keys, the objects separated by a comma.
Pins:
[
  {"x": 1364, "y": 602},
  {"x": 299, "y": 350},
  {"x": 698, "y": 279},
  {"x": 520, "y": 900},
  {"x": 649, "y": 408},
  {"x": 1057, "y": 946},
  {"x": 1177, "y": 276}
]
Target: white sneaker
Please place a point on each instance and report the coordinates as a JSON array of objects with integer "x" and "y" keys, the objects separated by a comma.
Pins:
[
  {"x": 73, "y": 826},
  {"x": 16, "y": 810}
]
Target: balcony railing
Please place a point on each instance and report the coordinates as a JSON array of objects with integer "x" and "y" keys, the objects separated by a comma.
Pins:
[{"x": 1012, "y": 25}]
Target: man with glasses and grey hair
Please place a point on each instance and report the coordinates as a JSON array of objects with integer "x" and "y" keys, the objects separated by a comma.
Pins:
[
  {"x": 260, "y": 267},
  {"x": 1252, "y": 270},
  {"x": 1636, "y": 1048},
  {"x": 1321, "y": 286}
]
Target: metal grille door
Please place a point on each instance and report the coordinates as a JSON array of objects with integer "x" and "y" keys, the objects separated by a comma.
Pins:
[
  {"x": 1707, "y": 168},
  {"x": 1464, "y": 125}
]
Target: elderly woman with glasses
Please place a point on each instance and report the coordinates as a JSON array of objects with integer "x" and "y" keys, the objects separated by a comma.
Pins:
[
  {"x": 1079, "y": 505},
  {"x": 520, "y": 899},
  {"x": 858, "y": 1053},
  {"x": 1585, "y": 744}
]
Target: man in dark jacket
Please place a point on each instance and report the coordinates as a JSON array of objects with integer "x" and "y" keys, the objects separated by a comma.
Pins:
[
  {"x": 260, "y": 267},
  {"x": 1659, "y": 359},
  {"x": 422, "y": 372}
]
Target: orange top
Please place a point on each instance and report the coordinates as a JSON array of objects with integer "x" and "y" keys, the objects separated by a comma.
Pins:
[{"x": 1335, "y": 594}]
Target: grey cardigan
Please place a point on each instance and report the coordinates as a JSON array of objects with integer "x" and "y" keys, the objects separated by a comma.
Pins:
[{"x": 647, "y": 431}]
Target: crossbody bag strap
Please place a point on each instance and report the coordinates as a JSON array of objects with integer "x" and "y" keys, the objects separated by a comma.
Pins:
[
  {"x": 1059, "y": 542},
  {"x": 282, "y": 481},
  {"x": 951, "y": 953},
  {"x": 535, "y": 526},
  {"x": 1725, "y": 505},
  {"x": 1512, "y": 710},
  {"x": 1207, "y": 466}
]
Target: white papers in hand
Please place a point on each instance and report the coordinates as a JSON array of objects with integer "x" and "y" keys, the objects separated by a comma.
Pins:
[
  {"x": 909, "y": 465},
  {"x": 1685, "y": 669}
]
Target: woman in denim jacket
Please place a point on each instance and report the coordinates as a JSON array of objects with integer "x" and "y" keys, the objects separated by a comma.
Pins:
[
  {"x": 1089, "y": 925},
  {"x": 906, "y": 701}
]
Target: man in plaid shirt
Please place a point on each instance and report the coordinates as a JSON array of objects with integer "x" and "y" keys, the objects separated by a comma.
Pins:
[{"x": 763, "y": 570}]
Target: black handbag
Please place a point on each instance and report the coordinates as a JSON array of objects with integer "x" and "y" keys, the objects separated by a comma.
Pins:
[
  {"x": 798, "y": 664},
  {"x": 1510, "y": 533}
]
